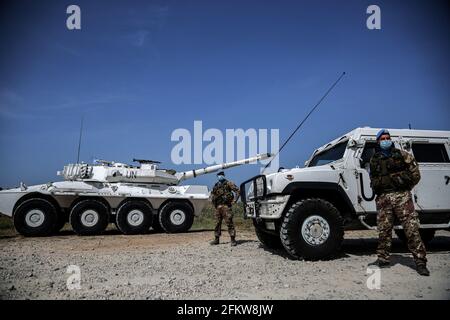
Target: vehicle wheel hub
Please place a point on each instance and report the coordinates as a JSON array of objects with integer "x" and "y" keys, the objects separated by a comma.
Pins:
[
  {"x": 177, "y": 217},
  {"x": 35, "y": 218},
  {"x": 135, "y": 218},
  {"x": 315, "y": 230},
  {"x": 89, "y": 218}
]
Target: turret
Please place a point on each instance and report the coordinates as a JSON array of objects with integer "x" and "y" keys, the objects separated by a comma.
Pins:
[{"x": 147, "y": 172}]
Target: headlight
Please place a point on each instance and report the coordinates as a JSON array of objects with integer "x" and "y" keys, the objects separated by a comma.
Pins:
[{"x": 259, "y": 187}]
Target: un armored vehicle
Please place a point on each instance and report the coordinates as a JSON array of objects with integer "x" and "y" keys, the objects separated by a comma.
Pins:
[
  {"x": 306, "y": 210},
  {"x": 135, "y": 198}
]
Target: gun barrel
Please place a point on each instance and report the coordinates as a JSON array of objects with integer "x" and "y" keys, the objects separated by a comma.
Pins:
[{"x": 194, "y": 173}]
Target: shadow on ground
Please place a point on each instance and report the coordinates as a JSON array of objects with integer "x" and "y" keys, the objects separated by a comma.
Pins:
[{"x": 368, "y": 246}]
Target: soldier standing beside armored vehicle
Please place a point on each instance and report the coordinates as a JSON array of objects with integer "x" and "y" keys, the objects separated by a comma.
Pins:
[
  {"x": 393, "y": 174},
  {"x": 222, "y": 199}
]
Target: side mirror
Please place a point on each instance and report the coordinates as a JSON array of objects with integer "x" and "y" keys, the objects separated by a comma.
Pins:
[{"x": 306, "y": 163}]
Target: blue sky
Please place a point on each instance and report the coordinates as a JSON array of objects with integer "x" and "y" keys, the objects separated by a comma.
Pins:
[{"x": 140, "y": 69}]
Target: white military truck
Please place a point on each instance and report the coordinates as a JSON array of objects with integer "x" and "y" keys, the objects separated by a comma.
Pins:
[{"x": 306, "y": 210}]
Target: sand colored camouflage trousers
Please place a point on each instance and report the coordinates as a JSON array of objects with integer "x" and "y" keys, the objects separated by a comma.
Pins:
[
  {"x": 224, "y": 212},
  {"x": 400, "y": 205}
]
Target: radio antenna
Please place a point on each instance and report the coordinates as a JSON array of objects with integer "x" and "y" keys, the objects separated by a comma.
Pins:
[
  {"x": 79, "y": 140},
  {"x": 306, "y": 118}
]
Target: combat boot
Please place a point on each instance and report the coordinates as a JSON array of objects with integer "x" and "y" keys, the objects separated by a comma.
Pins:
[
  {"x": 215, "y": 241},
  {"x": 233, "y": 242},
  {"x": 422, "y": 270}
]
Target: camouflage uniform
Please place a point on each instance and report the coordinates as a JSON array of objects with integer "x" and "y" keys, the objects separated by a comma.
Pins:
[
  {"x": 222, "y": 198},
  {"x": 392, "y": 178}
]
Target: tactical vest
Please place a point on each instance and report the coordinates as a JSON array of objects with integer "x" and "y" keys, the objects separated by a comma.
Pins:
[
  {"x": 222, "y": 194},
  {"x": 392, "y": 173}
]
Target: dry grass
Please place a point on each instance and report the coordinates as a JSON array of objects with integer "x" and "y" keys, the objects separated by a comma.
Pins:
[{"x": 206, "y": 220}]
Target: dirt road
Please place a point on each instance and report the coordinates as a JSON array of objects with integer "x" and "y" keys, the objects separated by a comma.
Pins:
[{"x": 174, "y": 266}]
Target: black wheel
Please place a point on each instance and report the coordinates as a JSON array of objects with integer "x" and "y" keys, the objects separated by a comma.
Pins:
[
  {"x": 61, "y": 221},
  {"x": 270, "y": 241},
  {"x": 89, "y": 217},
  {"x": 426, "y": 234},
  {"x": 156, "y": 226},
  {"x": 35, "y": 217},
  {"x": 134, "y": 217},
  {"x": 176, "y": 217},
  {"x": 312, "y": 229}
]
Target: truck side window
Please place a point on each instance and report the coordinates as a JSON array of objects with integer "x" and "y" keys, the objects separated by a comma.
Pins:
[
  {"x": 430, "y": 152},
  {"x": 368, "y": 152}
]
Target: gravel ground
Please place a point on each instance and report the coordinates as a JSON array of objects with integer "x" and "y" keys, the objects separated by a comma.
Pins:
[{"x": 185, "y": 266}]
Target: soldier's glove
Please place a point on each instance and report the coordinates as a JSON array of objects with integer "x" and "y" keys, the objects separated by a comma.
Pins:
[{"x": 401, "y": 180}]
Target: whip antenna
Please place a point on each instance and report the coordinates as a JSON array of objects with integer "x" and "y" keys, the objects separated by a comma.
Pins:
[
  {"x": 307, "y": 116},
  {"x": 79, "y": 140}
]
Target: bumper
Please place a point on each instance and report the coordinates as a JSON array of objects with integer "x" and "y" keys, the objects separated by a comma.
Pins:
[
  {"x": 258, "y": 203},
  {"x": 269, "y": 208}
]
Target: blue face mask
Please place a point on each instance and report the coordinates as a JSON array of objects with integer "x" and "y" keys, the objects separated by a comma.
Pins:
[
  {"x": 385, "y": 144},
  {"x": 221, "y": 178}
]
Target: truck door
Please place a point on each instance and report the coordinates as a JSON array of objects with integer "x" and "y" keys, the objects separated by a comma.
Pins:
[
  {"x": 432, "y": 194},
  {"x": 366, "y": 197}
]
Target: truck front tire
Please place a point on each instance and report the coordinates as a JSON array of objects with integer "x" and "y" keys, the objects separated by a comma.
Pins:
[
  {"x": 269, "y": 240},
  {"x": 312, "y": 229},
  {"x": 176, "y": 217},
  {"x": 89, "y": 217},
  {"x": 35, "y": 218}
]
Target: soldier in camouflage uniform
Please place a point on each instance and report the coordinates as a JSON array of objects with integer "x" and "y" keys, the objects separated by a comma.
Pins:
[
  {"x": 393, "y": 174},
  {"x": 223, "y": 198}
]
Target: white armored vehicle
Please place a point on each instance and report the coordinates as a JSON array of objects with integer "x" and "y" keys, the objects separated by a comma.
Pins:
[
  {"x": 305, "y": 210},
  {"x": 135, "y": 198}
]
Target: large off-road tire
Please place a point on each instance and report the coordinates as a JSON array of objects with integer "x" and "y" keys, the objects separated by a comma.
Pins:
[
  {"x": 426, "y": 234},
  {"x": 312, "y": 229},
  {"x": 156, "y": 225},
  {"x": 134, "y": 217},
  {"x": 89, "y": 217},
  {"x": 35, "y": 217},
  {"x": 61, "y": 221},
  {"x": 176, "y": 217},
  {"x": 269, "y": 240}
]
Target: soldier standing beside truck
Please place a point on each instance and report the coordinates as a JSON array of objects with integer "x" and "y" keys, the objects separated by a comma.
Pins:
[
  {"x": 393, "y": 174},
  {"x": 224, "y": 194}
]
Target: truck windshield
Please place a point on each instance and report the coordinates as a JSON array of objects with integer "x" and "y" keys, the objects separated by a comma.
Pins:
[{"x": 328, "y": 156}]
